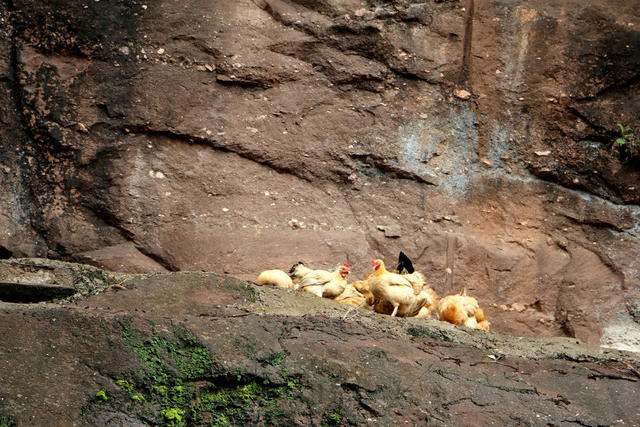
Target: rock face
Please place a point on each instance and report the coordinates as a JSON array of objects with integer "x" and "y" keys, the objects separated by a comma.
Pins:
[
  {"x": 215, "y": 350},
  {"x": 475, "y": 136}
]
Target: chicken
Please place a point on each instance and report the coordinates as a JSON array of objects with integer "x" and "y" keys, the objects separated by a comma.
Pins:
[
  {"x": 430, "y": 302},
  {"x": 424, "y": 313},
  {"x": 462, "y": 310},
  {"x": 426, "y": 301},
  {"x": 393, "y": 290},
  {"x": 417, "y": 281},
  {"x": 338, "y": 282},
  {"x": 483, "y": 323},
  {"x": 275, "y": 278},
  {"x": 362, "y": 286},
  {"x": 322, "y": 283},
  {"x": 419, "y": 284},
  {"x": 298, "y": 271},
  {"x": 352, "y": 297}
]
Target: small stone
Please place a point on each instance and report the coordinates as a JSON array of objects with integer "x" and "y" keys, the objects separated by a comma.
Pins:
[
  {"x": 380, "y": 227},
  {"x": 225, "y": 209},
  {"x": 462, "y": 94},
  {"x": 392, "y": 231},
  {"x": 543, "y": 153},
  {"x": 518, "y": 307},
  {"x": 160, "y": 51},
  {"x": 504, "y": 307},
  {"x": 576, "y": 181},
  {"x": 293, "y": 223},
  {"x": 209, "y": 67},
  {"x": 486, "y": 161}
]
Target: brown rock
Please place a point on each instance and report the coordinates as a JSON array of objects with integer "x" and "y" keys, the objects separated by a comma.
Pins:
[
  {"x": 462, "y": 94},
  {"x": 300, "y": 96}
]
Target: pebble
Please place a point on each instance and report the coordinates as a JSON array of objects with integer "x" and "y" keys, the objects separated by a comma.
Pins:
[
  {"x": 293, "y": 223},
  {"x": 518, "y": 307},
  {"x": 462, "y": 94}
]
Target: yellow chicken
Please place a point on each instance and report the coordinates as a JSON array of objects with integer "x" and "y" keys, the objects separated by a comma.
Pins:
[
  {"x": 430, "y": 302},
  {"x": 419, "y": 283},
  {"x": 362, "y": 286},
  {"x": 393, "y": 291},
  {"x": 462, "y": 310},
  {"x": 275, "y": 278},
  {"x": 352, "y": 297}
]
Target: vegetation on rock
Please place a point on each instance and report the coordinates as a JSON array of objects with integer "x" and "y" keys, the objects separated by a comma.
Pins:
[{"x": 180, "y": 383}]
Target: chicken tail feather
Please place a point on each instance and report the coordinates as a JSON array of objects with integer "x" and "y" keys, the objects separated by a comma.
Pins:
[
  {"x": 419, "y": 304},
  {"x": 404, "y": 263}
]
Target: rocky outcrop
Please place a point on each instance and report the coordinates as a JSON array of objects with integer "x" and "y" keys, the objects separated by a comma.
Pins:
[
  {"x": 475, "y": 136},
  {"x": 202, "y": 349}
]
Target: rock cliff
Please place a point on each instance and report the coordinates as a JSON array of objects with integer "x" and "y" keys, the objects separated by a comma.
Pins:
[{"x": 477, "y": 136}]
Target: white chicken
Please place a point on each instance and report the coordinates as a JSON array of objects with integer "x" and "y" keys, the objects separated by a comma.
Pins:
[{"x": 322, "y": 283}]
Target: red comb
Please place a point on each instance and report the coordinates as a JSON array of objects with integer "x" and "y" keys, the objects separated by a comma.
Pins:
[
  {"x": 347, "y": 265},
  {"x": 373, "y": 262}
]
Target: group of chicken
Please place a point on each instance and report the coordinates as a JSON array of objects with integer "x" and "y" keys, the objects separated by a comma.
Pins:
[{"x": 403, "y": 292}]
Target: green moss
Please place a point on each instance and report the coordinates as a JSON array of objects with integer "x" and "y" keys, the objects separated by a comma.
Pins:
[
  {"x": 161, "y": 357},
  {"x": 274, "y": 359},
  {"x": 231, "y": 405},
  {"x": 161, "y": 389},
  {"x": 271, "y": 416},
  {"x": 173, "y": 416},
  {"x": 177, "y": 372},
  {"x": 138, "y": 398},
  {"x": 219, "y": 420},
  {"x": 101, "y": 396},
  {"x": 7, "y": 422},
  {"x": 332, "y": 419},
  {"x": 125, "y": 385}
]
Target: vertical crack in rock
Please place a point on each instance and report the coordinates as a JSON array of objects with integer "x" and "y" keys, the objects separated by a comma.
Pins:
[
  {"x": 24, "y": 140},
  {"x": 464, "y": 78}
]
